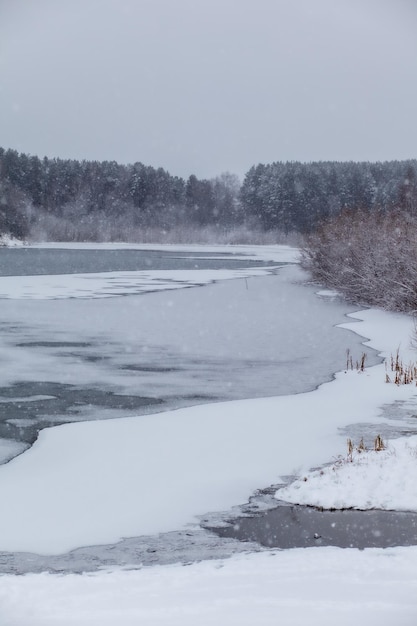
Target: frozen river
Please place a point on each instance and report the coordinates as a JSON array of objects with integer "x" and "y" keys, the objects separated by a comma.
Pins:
[
  {"x": 92, "y": 335},
  {"x": 92, "y": 357}
]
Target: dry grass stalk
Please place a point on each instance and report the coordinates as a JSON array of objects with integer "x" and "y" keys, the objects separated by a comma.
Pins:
[
  {"x": 351, "y": 448},
  {"x": 349, "y": 360},
  {"x": 379, "y": 444},
  {"x": 403, "y": 374},
  {"x": 361, "y": 447},
  {"x": 359, "y": 365}
]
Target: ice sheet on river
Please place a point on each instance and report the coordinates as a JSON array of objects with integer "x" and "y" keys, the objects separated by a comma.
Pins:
[
  {"x": 97, "y": 482},
  {"x": 110, "y": 284}
]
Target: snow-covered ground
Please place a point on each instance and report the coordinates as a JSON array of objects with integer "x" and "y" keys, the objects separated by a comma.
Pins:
[
  {"x": 100, "y": 481},
  {"x": 384, "y": 479},
  {"x": 313, "y": 586},
  {"x": 8, "y": 241}
]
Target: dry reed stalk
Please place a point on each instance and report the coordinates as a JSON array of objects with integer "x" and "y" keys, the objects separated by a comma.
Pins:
[{"x": 378, "y": 444}]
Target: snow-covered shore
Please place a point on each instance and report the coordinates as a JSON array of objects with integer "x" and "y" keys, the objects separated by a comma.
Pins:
[
  {"x": 384, "y": 479},
  {"x": 6, "y": 241},
  {"x": 314, "y": 586}
]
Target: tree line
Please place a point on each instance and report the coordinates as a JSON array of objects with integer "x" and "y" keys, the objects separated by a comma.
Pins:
[
  {"x": 90, "y": 200},
  {"x": 299, "y": 196}
]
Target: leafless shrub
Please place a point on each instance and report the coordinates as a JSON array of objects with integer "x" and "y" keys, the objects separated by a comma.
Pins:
[{"x": 369, "y": 257}]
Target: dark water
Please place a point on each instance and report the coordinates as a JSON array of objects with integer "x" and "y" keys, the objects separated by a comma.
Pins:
[
  {"x": 293, "y": 526},
  {"x": 35, "y": 261},
  {"x": 26, "y": 408}
]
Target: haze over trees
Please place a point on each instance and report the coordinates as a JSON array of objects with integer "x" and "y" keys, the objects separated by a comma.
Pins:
[
  {"x": 57, "y": 199},
  {"x": 90, "y": 200}
]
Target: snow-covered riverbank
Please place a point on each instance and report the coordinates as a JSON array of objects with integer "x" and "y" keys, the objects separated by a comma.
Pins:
[
  {"x": 314, "y": 586},
  {"x": 369, "y": 479}
]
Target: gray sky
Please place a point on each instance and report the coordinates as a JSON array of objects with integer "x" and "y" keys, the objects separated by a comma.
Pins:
[{"x": 207, "y": 86}]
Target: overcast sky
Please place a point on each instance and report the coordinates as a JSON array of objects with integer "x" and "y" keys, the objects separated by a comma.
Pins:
[{"x": 207, "y": 86}]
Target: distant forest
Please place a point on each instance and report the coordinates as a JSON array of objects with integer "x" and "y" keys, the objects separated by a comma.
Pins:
[{"x": 68, "y": 200}]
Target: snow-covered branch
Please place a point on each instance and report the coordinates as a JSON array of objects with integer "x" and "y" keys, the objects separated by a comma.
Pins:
[{"x": 370, "y": 257}]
